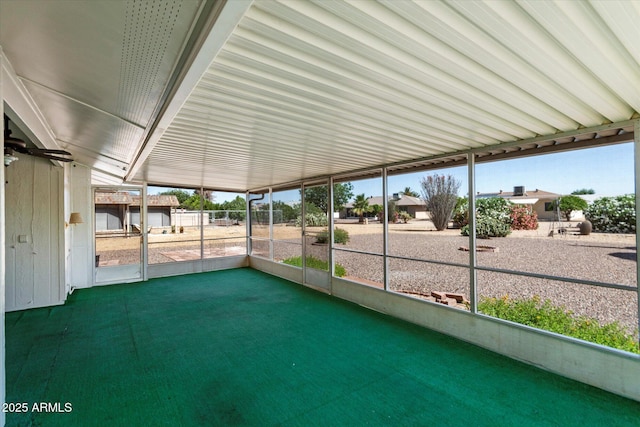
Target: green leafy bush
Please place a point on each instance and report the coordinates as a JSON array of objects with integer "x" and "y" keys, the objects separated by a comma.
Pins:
[
  {"x": 404, "y": 216},
  {"x": 487, "y": 227},
  {"x": 493, "y": 218},
  {"x": 461, "y": 212},
  {"x": 313, "y": 220},
  {"x": 613, "y": 214},
  {"x": 339, "y": 236},
  {"x": 545, "y": 315},
  {"x": 569, "y": 204},
  {"x": 316, "y": 263}
]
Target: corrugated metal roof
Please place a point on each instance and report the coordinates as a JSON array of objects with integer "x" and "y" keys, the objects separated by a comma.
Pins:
[
  {"x": 112, "y": 198},
  {"x": 284, "y": 91},
  {"x": 304, "y": 89},
  {"x": 125, "y": 198}
]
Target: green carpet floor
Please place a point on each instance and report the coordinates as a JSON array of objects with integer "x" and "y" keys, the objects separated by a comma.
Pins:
[{"x": 240, "y": 347}]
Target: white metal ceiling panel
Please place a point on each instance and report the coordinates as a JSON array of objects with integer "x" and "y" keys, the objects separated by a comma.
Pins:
[
  {"x": 290, "y": 90},
  {"x": 96, "y": 70},
  {"x": 310, "y": 88}
]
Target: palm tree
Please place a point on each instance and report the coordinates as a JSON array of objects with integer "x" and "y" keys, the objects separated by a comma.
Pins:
[
  {"x": 361, "y": 206},
  {"x": 409, "y": 192}
]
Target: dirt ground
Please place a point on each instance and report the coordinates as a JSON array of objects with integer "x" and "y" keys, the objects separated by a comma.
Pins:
[{"x": 237, "y": 233}]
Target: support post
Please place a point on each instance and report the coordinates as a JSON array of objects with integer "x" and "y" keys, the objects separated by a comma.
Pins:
[
  {"x": 385, "y": 230},
  {"x": 201, "y": 223},
  {"x": 144, "y": 217},
  {"x": 331, "y": 231},
  {"x": 248, "y": 221},
  {"x": 271, "y": 223},
  {"x": 636, "y": 166},
  {"x": 473, "y": 274}
]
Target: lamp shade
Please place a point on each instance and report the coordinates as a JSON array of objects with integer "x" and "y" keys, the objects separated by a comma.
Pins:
[{"x": 75, "y": 218}]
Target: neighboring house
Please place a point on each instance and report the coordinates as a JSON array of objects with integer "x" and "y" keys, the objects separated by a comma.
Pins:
[
  {"x": 415, "y": 206},
  {"x": 120, "y": 211},
  {"x": 159, "y": 209},
  {"x": 540, "y": 201}
]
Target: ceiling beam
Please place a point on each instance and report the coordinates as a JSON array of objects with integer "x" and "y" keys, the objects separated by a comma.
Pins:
[{"x": 22, "y": 109}]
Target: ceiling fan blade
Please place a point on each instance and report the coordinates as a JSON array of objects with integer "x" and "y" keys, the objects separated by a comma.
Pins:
[
  {"x": 14, "y": 143},
  {"x": 33, "y": 151},
  {"x": 45, "y": 154}
]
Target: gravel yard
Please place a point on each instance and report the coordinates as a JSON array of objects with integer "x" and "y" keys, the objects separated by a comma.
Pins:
[
  {"x": 592, "y": 258},
  {"x": 597, "y": 257}
]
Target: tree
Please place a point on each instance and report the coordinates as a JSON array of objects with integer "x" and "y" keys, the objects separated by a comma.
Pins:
[
  {"x": 181, "y": 195},
  {"x": 377, "y": 210},
  {"x": 361, "y": 206},
  {"x": 318, "y": 196},
  {"x": 409, "y": 192},
  {"x": 568, "y": 204},
  {"x": 193, "y": 203},
  {"x": 237, "y": 204},
  {"x": 288, "y": 212},
  {"x": 583, "y": 191},
  {"x": 440, "y": 194},
  {"x": 208, "y": 194}
]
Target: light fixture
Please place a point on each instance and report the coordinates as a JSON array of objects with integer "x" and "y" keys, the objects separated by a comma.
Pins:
[
  {"x": 75, "y": 218},
  {"x": 9, "y": 158}
]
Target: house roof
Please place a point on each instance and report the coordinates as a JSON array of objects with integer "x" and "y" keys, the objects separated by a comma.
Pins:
[
  {"x": 124, "y": 198},
  {"x": 163, "y": 200},
  {"x": 528, "y": 198},
  {"x": 113, "y": 198},
  {"x": 402, "y": 201}
]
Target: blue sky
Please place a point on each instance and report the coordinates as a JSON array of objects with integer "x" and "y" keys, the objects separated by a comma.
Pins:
[{"x": 608, "y": 170}]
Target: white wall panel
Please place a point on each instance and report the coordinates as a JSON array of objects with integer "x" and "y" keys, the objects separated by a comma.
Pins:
[
  {"x": 81, "y": 235},
  {"x": 34, "y": 227}
]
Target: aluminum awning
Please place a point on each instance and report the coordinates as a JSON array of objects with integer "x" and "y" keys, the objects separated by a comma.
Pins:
[{"x": 267, "y": 92}]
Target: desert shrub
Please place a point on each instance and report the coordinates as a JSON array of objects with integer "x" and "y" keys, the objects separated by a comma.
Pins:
[
  {"x": 487, "y": 227},
  {"x": 316, "y": 263},
  {"x": 440, "y": 194},
  {"x": 523, "y": 218},
  {"x": 339, "y": 236},
  {"x": 461, "y": 212},
  {"x": 493, "y": 218},
  {"x": 544, "y": 315},
  {"x": 392, "y": 213},
  {"x": 404, "y": 216},
  {"x": 613, "y": 214},
  {"x": 313, "y": 220}
]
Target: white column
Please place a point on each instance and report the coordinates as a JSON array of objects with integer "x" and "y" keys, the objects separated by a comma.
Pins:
[
  {"x": 473, "y": 275},
  {"x": 385, "y": 230},
  {"x": 636, "y": 146}
]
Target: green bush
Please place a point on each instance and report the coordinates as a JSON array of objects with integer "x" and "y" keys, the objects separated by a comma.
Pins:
[
  {"x": 544, "y": 315},
  {"x": 461, "y": 212},
  {"x": 313, "y": 220},
  {"x": 493, "y": 218},
  {"x": 487, "y": 227},
  {"x": 316, "y": 263},
  {"x": 613, "y": 214},
  {"x": 569, "y": 204},
  {"x": 404, "y": 216},
  {"x": 339, "y": 236}
]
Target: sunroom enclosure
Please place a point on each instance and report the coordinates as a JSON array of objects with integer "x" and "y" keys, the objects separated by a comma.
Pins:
[
  {"x": 394, "y": 267},
  {"x": 552, "y": 262}
]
